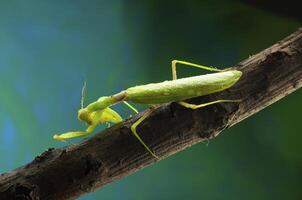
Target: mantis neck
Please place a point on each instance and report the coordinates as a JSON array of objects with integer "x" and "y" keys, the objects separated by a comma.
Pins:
[
  {"x": 106, "y": 101},
  {"x": 102, "y": 103}
]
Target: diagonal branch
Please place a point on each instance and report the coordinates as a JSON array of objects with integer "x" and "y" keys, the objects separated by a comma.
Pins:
[{"x": 74, "y": 170}]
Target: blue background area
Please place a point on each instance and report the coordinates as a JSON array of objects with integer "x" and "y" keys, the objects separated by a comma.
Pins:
[{"x": 49, "y": 48}]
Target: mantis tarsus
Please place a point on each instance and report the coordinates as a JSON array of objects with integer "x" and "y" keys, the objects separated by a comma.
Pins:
[{"x": 176, "y": 90}]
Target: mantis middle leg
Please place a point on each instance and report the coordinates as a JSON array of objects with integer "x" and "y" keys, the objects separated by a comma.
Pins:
[
  {"x": 133, "y": 129},
  {"x": 139, "y": 121},
  {"x": 130, "y": 106}
]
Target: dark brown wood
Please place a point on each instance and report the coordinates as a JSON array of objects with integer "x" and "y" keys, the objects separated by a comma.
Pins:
[{"x": 69, "y": 172}]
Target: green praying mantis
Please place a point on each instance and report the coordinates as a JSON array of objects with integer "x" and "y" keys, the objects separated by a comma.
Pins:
[{"x": 175, "y": 90}]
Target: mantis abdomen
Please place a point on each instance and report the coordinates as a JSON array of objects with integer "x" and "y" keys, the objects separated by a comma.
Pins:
[{"x": 181, "y": 89}]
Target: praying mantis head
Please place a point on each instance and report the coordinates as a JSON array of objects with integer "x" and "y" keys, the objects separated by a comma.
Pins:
[
  {"x": 92, "y": 118},
  {"x": 99, "y": 116}
]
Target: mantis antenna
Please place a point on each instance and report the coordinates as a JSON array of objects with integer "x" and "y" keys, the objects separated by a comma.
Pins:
[{"x": 83, "y": 94}]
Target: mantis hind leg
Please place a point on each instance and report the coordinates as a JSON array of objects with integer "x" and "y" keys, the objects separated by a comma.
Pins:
[
  {"x": 134, "y": 126},
  {"x": 174, "y": 62},
  {"x": 194, "y": 106}
]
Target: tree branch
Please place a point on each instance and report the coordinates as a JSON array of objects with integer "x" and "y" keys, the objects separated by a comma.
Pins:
[{"x": 77, "y": 169}]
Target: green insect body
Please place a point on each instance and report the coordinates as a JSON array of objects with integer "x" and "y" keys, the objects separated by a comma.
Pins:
[
  {"x": 169, "y": 91},
  {"x": 175, "y": 90},
  {"x": 181, "y": 89}
]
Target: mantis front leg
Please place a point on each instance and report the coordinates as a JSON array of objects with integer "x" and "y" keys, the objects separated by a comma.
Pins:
[
  {"x": 73, "y": 134},
  {"x": 92, "y": 119}
]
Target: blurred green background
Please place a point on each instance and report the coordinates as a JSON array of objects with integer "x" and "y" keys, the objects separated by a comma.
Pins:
[{"x": 49, "y": 48}]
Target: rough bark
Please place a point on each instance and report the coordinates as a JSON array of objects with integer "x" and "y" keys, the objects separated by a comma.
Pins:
[{"x": 69, "y": 172}]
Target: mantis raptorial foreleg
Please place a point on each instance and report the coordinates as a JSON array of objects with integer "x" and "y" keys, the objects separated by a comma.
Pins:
[
  {"x": 133, "y": 129},
  {"x": 73, "y": 134}
]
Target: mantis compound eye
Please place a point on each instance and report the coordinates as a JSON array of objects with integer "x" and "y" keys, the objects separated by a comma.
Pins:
[{"x": 83, "y": 115}]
